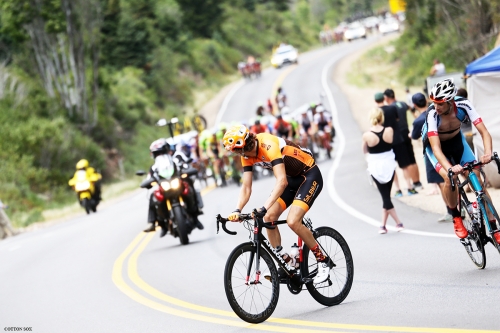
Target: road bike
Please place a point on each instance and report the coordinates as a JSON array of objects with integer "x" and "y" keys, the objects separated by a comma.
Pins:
[
  {"x": 251, "y": 279},
  {"x": 474, "y": 215}
]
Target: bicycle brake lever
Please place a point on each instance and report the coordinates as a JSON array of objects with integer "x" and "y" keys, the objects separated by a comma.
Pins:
[
  {"x": 497, "y": 161},
  {"x": 450, "y": 176},
  {"x": 218, "y": 217}
]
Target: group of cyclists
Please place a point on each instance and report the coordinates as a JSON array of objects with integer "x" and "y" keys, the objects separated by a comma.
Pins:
[{"x": 310, "y": 128}]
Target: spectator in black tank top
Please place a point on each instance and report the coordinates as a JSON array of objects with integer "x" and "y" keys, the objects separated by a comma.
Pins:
[
  {"x": 377, "y": 143},
  {"x": 398, "y": 145}
]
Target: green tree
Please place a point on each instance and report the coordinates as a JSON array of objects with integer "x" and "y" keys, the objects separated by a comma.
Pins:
[{"x": 202, "y": 18}]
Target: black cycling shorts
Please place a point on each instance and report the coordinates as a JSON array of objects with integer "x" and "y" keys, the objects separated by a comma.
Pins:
[{"x": 302, "y": 190}]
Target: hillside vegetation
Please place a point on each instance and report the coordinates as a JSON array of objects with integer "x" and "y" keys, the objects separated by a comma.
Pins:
[
  {"x": 88, "y": 78},
  {"x": 456, "y": 32}
]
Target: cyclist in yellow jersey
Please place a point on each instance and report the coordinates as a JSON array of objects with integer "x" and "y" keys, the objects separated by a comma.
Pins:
[{"x": 298, "y": 183}]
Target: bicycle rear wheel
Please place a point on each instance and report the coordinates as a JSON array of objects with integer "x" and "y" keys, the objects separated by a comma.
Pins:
[
  {"x": 494, "y": 212},
  {"x": 334, "y": 290},
  {"x": 473, "y": 244},
  {"x": 254, "y": 301}
]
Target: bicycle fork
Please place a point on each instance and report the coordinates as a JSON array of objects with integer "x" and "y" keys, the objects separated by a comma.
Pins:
[{"x": 257, "y": 267}]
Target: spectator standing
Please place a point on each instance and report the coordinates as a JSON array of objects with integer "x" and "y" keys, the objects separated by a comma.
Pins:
[
  {"x": 437, "y": 68},
  {"x": 391, "y": 119},
  {"x": 412, "y": 174},
  {"x": 377, "y": 144},
  {"x": 5, "y": 224},
  {"x": 433, "y": 177}
]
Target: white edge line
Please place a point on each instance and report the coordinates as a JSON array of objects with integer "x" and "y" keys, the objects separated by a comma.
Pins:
[
  {"x": 331, "y": 175},
  {"x": 225, "y": 103}
]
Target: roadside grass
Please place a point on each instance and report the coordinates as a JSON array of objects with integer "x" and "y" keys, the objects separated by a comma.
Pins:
[{"x": 378, "y": 69}]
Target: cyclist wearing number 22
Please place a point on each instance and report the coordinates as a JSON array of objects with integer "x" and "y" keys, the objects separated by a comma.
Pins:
[
  {"x": 298, "y": 183},
  {"x": 446, "y": 147}
]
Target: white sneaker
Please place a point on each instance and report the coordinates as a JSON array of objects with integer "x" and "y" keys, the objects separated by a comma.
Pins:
[{"x": 323, "y": 273}]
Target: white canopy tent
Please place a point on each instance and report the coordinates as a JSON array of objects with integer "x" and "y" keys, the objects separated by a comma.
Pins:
[{"x": 483, "y": 87}]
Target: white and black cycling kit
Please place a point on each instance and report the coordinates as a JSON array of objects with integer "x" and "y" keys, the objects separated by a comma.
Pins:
[{"x": 455, "y": 149}]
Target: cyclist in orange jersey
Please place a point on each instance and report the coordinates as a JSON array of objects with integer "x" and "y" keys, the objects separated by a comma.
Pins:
[{"x": 298, "y": 183}]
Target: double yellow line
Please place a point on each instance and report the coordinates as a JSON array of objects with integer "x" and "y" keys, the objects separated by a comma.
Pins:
[
  {"x": 180, "y": 308},
  {"x": 126, "y": 264}
]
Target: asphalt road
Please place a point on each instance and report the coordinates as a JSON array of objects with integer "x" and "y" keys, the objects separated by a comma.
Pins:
[{"x": 100, "y": 273}]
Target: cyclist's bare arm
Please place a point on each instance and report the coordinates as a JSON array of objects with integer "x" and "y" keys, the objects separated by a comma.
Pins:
[
  {"x": 246, "y": 190},
  {"x": 281, "y": 183},
  {"x": 485, "y": 135}
]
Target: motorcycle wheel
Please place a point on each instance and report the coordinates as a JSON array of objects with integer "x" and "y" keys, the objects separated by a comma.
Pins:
[
  {"x": 86, "y": 205},
  {"x": 182, "y": 224},
  {"x": 94, "y": 206}
]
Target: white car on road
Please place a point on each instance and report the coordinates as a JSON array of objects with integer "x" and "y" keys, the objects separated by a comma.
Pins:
[
  {"x": 355, "y": 30},
  {"x": 284, "y": 54},
  {"x": 389, "y": 25}
]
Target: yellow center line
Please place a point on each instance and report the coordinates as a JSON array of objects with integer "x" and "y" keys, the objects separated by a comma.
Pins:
[
  {"x": 141, "y": 284},
  {"x": 127, "y": 290},
  {"x": 277, "y": 84}
]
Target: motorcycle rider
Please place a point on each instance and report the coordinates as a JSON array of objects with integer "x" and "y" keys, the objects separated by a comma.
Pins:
[
  {"x": 182, "y": 155},
  {"x": 159, "y": 150},
  {"x": 92, "y": 176}
]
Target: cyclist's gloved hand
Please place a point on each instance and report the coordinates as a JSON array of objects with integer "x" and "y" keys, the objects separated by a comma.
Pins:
[
  {"x": 261, "y": 211},
  {"x": 234, "y": 216}
]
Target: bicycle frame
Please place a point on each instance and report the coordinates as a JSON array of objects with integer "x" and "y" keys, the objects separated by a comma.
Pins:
[
  {"x": 260, "y": 241},
  {"x": 473, "y": 180}
]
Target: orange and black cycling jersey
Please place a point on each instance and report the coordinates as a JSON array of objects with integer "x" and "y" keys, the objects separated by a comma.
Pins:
[{"x": 272, "y": 151}]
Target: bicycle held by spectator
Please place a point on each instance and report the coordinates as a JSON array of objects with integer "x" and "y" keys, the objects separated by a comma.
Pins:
[
  {"x": 251, "y": 279},
  {"x": 474, "y": 214}
]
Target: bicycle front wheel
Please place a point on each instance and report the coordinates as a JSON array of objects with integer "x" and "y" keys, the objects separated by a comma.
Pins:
[
  {"x": 473, "y": 244},
  {"x": 253, "y": 299},
  {"x": 336, "y": 288}
]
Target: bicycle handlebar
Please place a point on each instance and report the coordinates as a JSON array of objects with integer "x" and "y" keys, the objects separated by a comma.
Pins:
[
  {"x": 472, "y": 166},
  {"x": 256, "y": 216}
]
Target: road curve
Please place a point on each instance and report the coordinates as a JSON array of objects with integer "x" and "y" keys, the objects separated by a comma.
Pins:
[{"x": 99, "y": 273}]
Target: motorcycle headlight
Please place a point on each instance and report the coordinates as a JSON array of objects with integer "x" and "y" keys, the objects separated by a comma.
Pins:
[
  {"x": 82, "y": 186},
  {"x": 165, "y": 186},
  {"x": 175, "y": 184}
]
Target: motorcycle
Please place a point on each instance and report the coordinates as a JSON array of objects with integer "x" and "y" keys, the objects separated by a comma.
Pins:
[
  {"x": 172, "y": 183},
  {"x": 85, "y": 188}
]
